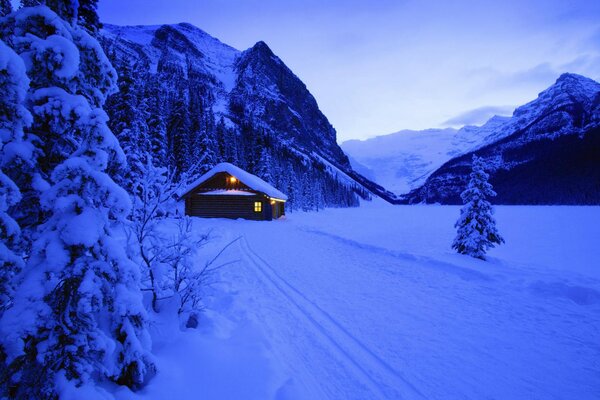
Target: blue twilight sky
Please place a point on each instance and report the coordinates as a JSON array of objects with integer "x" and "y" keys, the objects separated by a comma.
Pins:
[{"x": 378, "y": 66}]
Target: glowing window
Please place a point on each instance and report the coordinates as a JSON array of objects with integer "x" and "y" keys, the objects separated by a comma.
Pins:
[{"x": 257, "y": 206}]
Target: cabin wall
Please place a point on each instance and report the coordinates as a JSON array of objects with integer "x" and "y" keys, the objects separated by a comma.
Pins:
[{"x": 226, "y": 206}]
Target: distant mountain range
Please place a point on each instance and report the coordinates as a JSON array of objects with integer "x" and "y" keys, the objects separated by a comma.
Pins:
[
  {"x": 402, "y": 161},
  {"x": 548, "y": 152}
]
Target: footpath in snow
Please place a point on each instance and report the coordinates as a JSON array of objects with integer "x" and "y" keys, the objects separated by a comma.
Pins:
[{"x": 372, "y": 303}]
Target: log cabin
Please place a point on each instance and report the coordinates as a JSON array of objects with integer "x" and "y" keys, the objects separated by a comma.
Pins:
[{"x": 227, "y": 191}]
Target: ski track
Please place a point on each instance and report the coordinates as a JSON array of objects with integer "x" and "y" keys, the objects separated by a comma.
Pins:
[{"x": 380, "y": 377}]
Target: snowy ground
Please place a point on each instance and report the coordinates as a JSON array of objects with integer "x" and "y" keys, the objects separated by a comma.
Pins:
[{"x": 371, "y": 303}]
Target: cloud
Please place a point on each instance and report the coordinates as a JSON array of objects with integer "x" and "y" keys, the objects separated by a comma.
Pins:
[{"x": 478, "y": 116}]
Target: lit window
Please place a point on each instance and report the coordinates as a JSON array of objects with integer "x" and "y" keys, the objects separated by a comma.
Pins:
[
  {"x": 257, "y": 206},
  {"x": 232, "y": 179}
]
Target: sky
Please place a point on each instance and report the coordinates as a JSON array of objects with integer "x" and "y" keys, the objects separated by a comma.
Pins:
[{"x": 378, "y": 66}]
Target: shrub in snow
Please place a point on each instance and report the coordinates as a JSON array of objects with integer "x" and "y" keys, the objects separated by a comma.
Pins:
[
  {"x": 476, "y": 226},
  {"x": 13, "y": 117},
  {"x": 77, "y": 315},
  {"x": 166, "y": 256}
]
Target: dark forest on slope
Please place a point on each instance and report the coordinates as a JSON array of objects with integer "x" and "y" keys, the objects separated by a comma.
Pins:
[{"x": 168, "y": 111}]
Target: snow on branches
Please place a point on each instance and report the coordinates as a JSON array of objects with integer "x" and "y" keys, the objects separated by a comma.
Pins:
[
  {"x": 476, "y": 226},
  {"x": 78, "y": 317},
  {"x": 13, "y": 117}
]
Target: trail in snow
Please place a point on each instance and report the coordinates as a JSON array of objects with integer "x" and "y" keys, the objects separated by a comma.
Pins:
[
  {"x": 380, "y": 321},
  {"x": 371, "y": 303},
  {"x": 353, "y": 354}
]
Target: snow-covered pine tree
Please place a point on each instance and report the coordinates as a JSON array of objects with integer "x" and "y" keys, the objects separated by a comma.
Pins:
[
  {"x": 128, "y": 109},
  {"x": 265, "y": 165},
  {"x": 307, "y": 197},
  {"x": 178, "y": 127},
  {"x": 476, "y": 226},
  {"x": 291, "y": 187},
  {"x": 87, "y": 17},
  {"x": 60, "y": 61},
  {"x": 67, "y": 10},
  {"x": 30, "y": 3},
  {"x": 13, "y": 117},
  {"x": 5, "y": 7},
  {"x": 157, "y": 126},
  {"x": 207, "y": 157},
  {"x": 78, "y": 316}
]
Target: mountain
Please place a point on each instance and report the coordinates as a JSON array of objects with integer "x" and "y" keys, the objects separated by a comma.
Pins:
[
  {"x": 548, "y": 152},
  {"x": 402, "y": 161},
  {"x": 204, "y": 100}
]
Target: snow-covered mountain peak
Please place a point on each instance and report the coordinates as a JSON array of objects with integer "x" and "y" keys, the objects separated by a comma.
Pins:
[
  {"x": 576, "y": 84},
  {"x": 571, "y": 94},
  {"x": 568, "y": 89},
  {"x": 547, "y": 152},
  {"x": 182, "y": 43},
  {"x": 262, "y": 47}
]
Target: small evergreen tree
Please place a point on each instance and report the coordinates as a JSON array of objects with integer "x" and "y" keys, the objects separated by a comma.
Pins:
[{"x": 476, "y": 226}]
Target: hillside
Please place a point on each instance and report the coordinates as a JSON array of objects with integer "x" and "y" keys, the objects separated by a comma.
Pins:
[
  {"x": 196, "y": 100},
  {"x": 548, "y": 152}
]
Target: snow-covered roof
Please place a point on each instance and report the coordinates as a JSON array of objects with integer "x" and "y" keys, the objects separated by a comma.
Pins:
[
  {"x": 252, "y": 181},
  {"x": 225, "y": 192}
]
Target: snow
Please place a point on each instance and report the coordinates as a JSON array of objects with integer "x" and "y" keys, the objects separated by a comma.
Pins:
[
  {"x": 403, "y": 160},
  {"x": 227, "y": 193},
  {"x": 252, "y": 181},
  {"x": 218, "y": 58},
  {"x": 371, "y": 302}
]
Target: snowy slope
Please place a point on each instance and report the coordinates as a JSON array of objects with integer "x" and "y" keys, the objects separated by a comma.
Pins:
[
  {"x": 403, "y": 160},
  {"x": 185, "y": 41},
  {"x": 371, "y": 303}
]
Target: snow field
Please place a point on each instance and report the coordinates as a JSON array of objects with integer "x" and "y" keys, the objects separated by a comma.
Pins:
[{"x": 372, "y": 303}]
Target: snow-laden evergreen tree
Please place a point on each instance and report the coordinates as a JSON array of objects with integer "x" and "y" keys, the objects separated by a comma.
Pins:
[
  {"x": 476, "y": 226},
  {"x": 87, "y": 16},
  {"x": 128, "y": 109},
  {"x": 13, "y": 117},
  {"x": 265, "y": 166},
  {"x": 67, "y": 10},
  {"x": 207, "y": 157},
  {"x": 78, "y": 316},
  {"x": 61, "y": 61},
  {"x": 157, "y": 126},
  {"x": 5, "y": 7}
]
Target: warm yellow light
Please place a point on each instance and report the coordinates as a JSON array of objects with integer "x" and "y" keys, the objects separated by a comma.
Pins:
[
  {"x": 232, "y": 179},
  {"x": 272, "y": 202}
]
